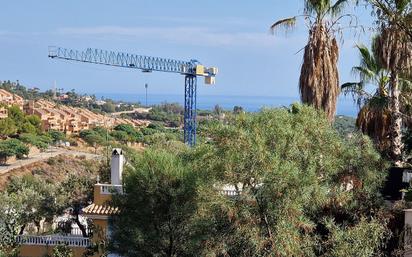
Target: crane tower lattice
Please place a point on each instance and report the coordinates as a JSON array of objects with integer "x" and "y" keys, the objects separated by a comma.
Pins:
[{"x": 190, "y": 69}]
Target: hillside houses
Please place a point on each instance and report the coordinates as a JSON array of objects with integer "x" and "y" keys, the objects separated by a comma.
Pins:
[
  {"x": 73, "y": 120},
  {"x": 10, "y": 99},
  {"x": 62, "y": 118}
]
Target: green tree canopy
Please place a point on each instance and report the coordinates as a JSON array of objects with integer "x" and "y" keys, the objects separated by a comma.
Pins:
[
  {"x": 155, "y": 212},
  {"x": 26, "y": 200},
  {"x": 76, "y": 192},
  {"x": 298, "y": 188},
  {"x": 7, "y": 127},
  {"x": 319, "y": 75},
  {"x": 108, "y": 107},
  {"x": 92, "y": 137},
  {"x": 121, "y": 136},
  {"x": 56, "y": 135},
  {"x": 16, "y": 115},
  {"x": 12, "y": 147},
  {"x": 40, "y": 142},
  {"x": 133, "y": 134},
  {"x": 62, "y": 251},
  {"x": 275, "y": 183}
]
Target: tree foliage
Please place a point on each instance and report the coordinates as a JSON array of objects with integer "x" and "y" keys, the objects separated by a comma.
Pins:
[
  {"x": 301, "y": 188},
  {"x": 75, "y": 192},
  {"x": 156, "y": 211},
  {"x": 94, "y": 137},
  {"x": 319, "y": 77},
  {"x": 126, "y": 132},
  {"x": 56, "y": 136},
  {"x": 25, "y": 201},
  {"x": 62, "y": 251},
  {"x": 12, "y": 147},
  {"x": 17, "y": 122},
  {"x": 41, "y": 142},
  {"x": 297, "y": 189},
  {"x": 7, "y": 127},
  {"x": 394, "y": 49}
]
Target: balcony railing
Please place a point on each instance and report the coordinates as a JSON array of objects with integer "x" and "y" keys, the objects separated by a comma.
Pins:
[
  {"x": 54, "y": 240},
  {"x": 77, "y": 232},
  {"x": 229, "y": 192},
  {"x": 111, "y": 189}
]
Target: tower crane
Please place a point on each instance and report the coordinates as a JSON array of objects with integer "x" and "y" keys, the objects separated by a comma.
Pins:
[{"x": 190, "y": 69}]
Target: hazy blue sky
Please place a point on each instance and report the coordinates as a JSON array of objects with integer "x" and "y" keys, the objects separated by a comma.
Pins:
[{"x": 230, "y": 34}]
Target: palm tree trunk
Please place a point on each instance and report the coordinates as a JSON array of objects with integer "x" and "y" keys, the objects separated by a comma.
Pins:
[{"x": 396, "y": 133}]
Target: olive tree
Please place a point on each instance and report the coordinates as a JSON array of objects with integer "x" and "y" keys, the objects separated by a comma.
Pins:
[
  {"x": 156, "y": 212},
  {"x": 296, "y": 188}
]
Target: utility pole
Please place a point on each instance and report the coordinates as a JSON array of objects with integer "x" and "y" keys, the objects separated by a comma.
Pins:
[
  {"x": 146, "y": 86},
  {"x": 54, "y": 90}
]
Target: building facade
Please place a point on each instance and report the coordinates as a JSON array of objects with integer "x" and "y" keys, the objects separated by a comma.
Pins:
[{"x": 98, "y": 212}]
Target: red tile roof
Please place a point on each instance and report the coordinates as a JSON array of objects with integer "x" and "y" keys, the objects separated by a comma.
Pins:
[{"x": 100, "y": 210}]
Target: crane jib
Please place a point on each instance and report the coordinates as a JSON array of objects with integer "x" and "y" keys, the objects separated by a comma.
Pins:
[
  {"x": 125, "y": 60},
  {"x": 190, "y": 69}
]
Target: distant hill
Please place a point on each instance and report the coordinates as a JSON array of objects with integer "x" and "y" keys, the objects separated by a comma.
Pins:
[{"x": 345, "y": 124}]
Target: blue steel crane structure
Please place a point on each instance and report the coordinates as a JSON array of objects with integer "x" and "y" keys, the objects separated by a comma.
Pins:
[{"x": 190, "y": 69}]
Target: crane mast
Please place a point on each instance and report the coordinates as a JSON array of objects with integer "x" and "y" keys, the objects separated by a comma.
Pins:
[{"x": 190, "y": 69}]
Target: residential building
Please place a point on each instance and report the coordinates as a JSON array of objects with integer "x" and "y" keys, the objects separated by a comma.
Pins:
[
  {"x": 98, "y": 212},
  {"x": 8, "y": 99}
]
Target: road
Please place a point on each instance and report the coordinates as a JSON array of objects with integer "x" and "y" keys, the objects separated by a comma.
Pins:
[
  {"x": 136, "y": 110},
  {"x": 51, "y": 152}
]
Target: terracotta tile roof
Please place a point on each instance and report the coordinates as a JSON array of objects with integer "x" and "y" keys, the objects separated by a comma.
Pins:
[
  {"x": 5, "y": 93},
  {"x": 100, "y": 210}
]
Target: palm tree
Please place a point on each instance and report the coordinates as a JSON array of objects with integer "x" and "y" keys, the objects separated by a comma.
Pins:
[
  {"x": 394, "y": 48},
  {"x": 319, "y": 77},
  {"x": 374, "y": 115}
]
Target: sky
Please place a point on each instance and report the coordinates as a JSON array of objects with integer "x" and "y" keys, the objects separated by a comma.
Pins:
[{"x": 232, "y": 35}]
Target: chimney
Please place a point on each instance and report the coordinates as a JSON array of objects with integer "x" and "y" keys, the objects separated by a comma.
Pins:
[{"x": 117, "y": 166}]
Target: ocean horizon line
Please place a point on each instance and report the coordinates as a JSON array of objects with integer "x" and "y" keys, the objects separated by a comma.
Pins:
[{"x": 208, "y": 102}]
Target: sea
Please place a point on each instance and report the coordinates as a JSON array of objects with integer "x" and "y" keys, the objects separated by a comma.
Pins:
[{"x": 345, "y": 106}]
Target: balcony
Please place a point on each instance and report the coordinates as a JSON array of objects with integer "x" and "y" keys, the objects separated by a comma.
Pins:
[
  {"x": 54, "y": 240},
  {"x": 229, "y": 192},
  {"x": 111, "y": 189},
  {"x": 76, "y": 232}
]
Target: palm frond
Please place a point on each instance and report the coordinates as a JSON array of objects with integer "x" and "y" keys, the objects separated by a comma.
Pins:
[
  {"x": 406, "y": 84},
  {"x": 349, "y": 85},
  {"x": 317, "y": 7},
  {"x": 319, "y": 77},
  {"x": 401, "y": 5},
  {"x": 367, "y": 59},
  {"x": 338, "y": 7},
  {"x": 364, "y": 73},
  {"x": 356, "y": 89},
  {"x": 375, "y": 53},
  {"x": 287, "y": 24}
]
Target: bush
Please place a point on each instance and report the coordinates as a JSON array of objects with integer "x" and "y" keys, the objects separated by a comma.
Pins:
[
  {"x": 120, "y": 136},
  {"x": 129, "y": 129},
  {"x": 7, "y": 127},
  {"x": 92, "y": 137},
  {"x": 12, "y": 147},
  {"x": 62, "y": 251},
  {"x": 163, "y": 190},
  {"x": 133, "y": 134},
  {"x": 40, "y": 142},
  {"x": 56, "y": 136},
  {"x": 300, "y": 189}
]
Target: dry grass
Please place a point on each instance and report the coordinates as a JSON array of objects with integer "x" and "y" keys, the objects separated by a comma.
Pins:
[{"x": 54, "y": 169}]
